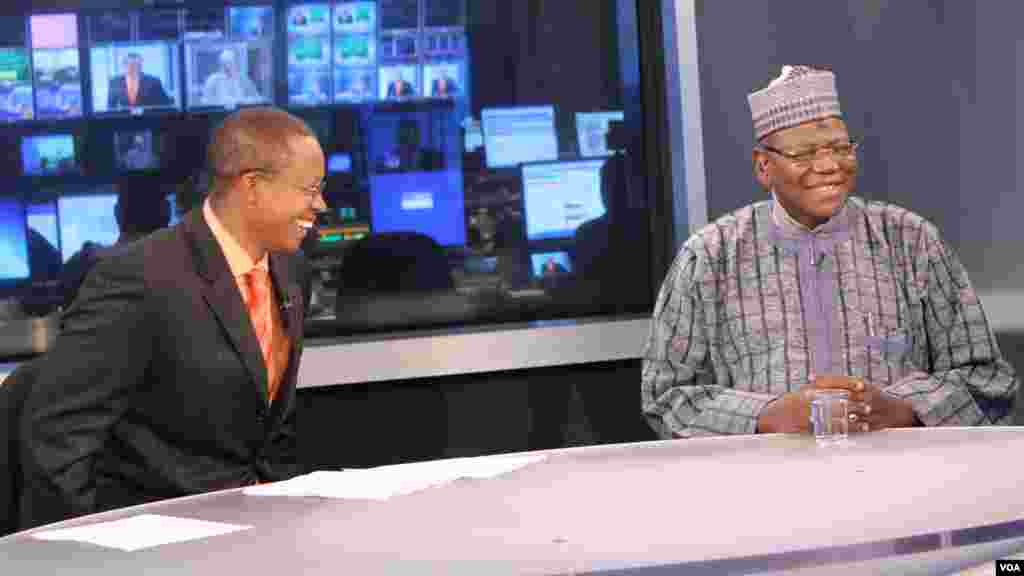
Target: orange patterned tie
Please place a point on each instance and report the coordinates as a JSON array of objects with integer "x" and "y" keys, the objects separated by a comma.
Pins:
[{"x": 257, "y": 282}]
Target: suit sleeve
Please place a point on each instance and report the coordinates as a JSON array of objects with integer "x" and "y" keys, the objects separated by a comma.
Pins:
[{"x": 83, "y": 387}]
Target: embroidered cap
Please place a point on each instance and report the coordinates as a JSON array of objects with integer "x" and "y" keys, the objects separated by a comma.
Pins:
[{"x": 800, "y": 94}]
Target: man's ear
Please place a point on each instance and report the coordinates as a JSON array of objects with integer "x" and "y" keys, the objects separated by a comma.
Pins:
[{"x": 762, "y": 169}]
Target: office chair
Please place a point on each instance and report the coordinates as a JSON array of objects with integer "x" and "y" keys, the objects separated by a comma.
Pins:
[{"x": 13, "y": 393}]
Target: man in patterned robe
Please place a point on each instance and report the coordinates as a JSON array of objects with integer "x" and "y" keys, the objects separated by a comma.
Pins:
[{"x": 817, "y": 289}]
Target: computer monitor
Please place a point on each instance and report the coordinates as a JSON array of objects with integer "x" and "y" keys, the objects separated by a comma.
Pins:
[
  {"x": 355, "y": 50},
  {"x": 399, "y": 14},
  {"x": 228, "y": 74},
  {"x": 430, "y": 203},
  {"x": 155, "y": 64},
  {"x": 15, "y": 86},
  {"x": 251, "y": 21},
  {"x": 591, "y": 129},
  {"x": 514, "y": 136},
  {"x": 559, "y": 196},
  {"x": 355, "y": 84},
  {"x": 355, "y": 18},
  {"x": 137, "y": 150},
  {"x": 309, "y": 19},
  {"x": 550, "y": 264},
  {"x": 339, "y": 162},
  {"x": 42, "y": 217},
  {"x": 13, "y": 240},
  {"x": 48, "y": 154},
  {"x": 58, "y": 86},
  {"x": 309, "y": 54},
  {"x": 86, "y": 219},
  {"x": 443, "y": 80},
  {"x": 398, "y": 82}
]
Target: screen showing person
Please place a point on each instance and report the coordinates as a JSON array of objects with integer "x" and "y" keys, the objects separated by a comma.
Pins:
[
  {"x": 355, "y": 50},
  {"x": 86, "y": 219},
  {"x": 355, "y": 18},
  {"x": 13, "y": 240},
  {"x": 549, "y": 264},
  {"x": 513, "y": 136},
  {"x": 137, "y": 150},
  {"x": 49, "y": 154},
  {"x": 442, "y": 80},
  {"x": 251, "y": 21},
  {"x": 308, "y": 70},
  {"x": 427, "y": 202},
  {"x": 398, "y": 82},
  {"x": 228, "y": 75},
  {"x": 58, "y": 85},
  {"x": 15, "y": 86},
  {"x": 354, "y": 84},
  {"x": 559, "y": 196},
  {"x": 309, "y": 20},
  {"x": 591, "y": 131},
  {"x": 42, "y": 217},
  {"x": 135, "y": 76}
]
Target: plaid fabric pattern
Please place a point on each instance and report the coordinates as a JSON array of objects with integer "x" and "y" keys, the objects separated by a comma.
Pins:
[{"x": 731, "y": 329}]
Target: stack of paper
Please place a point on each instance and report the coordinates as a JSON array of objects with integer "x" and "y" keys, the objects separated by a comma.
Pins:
[
  {"x": 141, "y": 531},
  {"x": 386, "y": 481}
]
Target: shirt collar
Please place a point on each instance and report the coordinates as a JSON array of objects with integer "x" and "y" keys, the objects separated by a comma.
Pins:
[
  {"x": 838, "y": 224},
  {"x": 239, "y": 261}
]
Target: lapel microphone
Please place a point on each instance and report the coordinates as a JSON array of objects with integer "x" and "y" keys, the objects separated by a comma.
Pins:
[{"x": 286, "y": 304}]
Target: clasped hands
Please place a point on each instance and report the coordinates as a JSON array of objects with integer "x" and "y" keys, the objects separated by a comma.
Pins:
[{"x": 869, "y": 409}]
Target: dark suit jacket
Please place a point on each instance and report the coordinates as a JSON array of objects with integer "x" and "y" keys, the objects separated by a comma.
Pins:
[
  {"x": 151, "y": 93},
  {"x": 156, "y": 387}
]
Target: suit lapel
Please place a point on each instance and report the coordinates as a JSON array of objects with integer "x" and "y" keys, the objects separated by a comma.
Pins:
[
  {"x": 223, "y": 297},
  {"x": 290, "y": 297}
]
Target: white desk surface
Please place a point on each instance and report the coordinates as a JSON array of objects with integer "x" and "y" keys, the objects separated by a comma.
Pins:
[{"x": 926, "y": 501}]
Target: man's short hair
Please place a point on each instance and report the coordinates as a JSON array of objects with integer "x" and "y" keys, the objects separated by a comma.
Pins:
[
  {"x": 254, "y": 139},
  {"x": 132, "y": 57}
]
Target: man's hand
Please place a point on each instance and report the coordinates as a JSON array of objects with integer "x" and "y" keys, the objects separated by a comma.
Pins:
[{"x": 869, "y": 408}]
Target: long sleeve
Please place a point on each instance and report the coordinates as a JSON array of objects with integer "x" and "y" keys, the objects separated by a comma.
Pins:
[
  {"x": 680, "y": 396},
  {"x": 81, "y": 391},
  {"x": 968, "y": 382}
]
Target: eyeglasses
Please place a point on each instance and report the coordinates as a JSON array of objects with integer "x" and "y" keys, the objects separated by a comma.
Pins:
[
  {"x": 310, "y": 191},
  {"x": 844, "y": 151}
]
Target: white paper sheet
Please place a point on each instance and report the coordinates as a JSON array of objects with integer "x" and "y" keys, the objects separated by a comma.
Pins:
[
  {"x": 142, "y": 531},
  {"x": 384, "y": 482}
]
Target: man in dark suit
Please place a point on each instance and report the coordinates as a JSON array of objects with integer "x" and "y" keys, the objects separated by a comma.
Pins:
[
  {"x": 134, "y": 88},
  {"x": 175, "y": 369}
]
